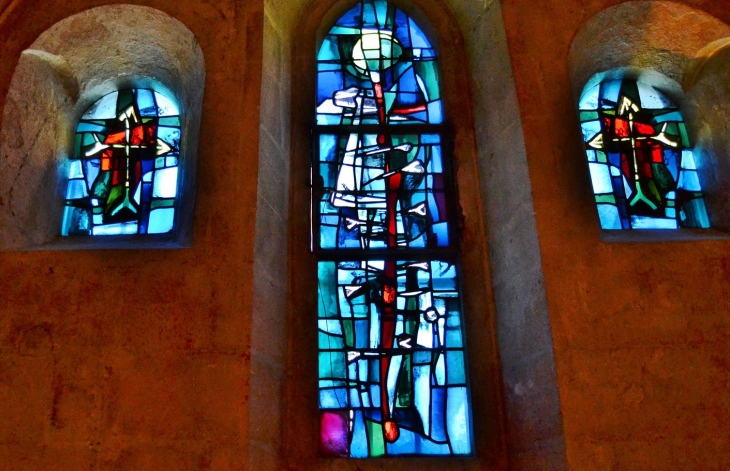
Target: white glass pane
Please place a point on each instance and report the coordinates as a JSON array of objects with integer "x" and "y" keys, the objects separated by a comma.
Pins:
[
  {"x": 643, "y": 222},
  {"x": 653, "y": 99},
  {"x": 115, "y": 229},
  {"x": 589, "y": 100},
  {"x": 601, "y": 178},
  {"x": 75, "y": 170},
  {"x": 165, "y": 185},
  {"x": 165, "y": 107},
  {"x": 106, "y": 108}
]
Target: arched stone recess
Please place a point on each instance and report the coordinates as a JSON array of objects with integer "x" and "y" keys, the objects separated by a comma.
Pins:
[
  {"x": 68, "y": 68},
  {"x": 517, "y": 408},
  {"x": 679, "y": 51},
  {"x": 708, "y": 96}
]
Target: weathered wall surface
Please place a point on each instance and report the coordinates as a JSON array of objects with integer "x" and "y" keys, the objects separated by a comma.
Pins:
[
  {"x": 139, "y": 359},
  {"x": 534, "y": 428},
  {"x": 641, "y": 330}
]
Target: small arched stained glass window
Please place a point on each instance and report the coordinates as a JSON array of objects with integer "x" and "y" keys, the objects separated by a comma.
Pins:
[
  {"x": 392, "y": 361},
  {"x": 123, "y": 176},
  {"x": 641, "y": 162}
]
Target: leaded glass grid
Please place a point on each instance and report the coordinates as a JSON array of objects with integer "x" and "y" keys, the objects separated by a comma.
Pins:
[
  {"x": 123, "y": 174},
  {"x": 641, "y": 163},
  {"x": 392, "y": 363}
]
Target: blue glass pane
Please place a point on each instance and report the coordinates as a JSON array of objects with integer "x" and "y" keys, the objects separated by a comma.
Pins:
[
  {"x": 352, "y": 18},
  {"x": 76, "y": 190},
  {"x": 590, "y": 129},
  {"x": 609, "y": 216},
  {"x": 418, "y": 38},
  {"x": 610, "y": 91},
  {"x": 695, "y": 212},
  {"x": 170, "y": 135}
]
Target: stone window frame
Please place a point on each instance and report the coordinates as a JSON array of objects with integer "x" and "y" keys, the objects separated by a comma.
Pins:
[
  {"x": 66, "y": 69},
  {"x": 512, "y": 363},
  {"x": 682, "y": 52},
  {"x": 473, "y": 270}
]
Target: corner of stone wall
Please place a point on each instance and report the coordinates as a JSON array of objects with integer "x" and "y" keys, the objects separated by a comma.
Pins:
[
  {"x": 535, "y": 437},
  {"x": 271, "y": 278}
]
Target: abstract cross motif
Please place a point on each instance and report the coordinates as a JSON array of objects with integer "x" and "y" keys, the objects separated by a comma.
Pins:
[
  {"x": 642, "y": 168},
  {"x": 123, "y": 177},
  {"x": 392, "y": 363},
  {"x": 362, "y": 180}
]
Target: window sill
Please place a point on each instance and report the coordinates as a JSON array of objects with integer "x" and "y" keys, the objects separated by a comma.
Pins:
[{"x": 662, "y": 235}]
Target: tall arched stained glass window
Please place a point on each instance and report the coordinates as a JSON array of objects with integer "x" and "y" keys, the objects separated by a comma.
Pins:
[
  {"x": 641, "y": 162},
  {"x": 392, "y": 364},
  {"x": 124, "y": 172}
]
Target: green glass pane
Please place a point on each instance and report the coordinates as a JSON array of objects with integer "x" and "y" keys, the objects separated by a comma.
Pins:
[
  {"x": 375, "y": 439},
  {"x": 683, "y": 133},
  {"x": 608, "y": 199}
]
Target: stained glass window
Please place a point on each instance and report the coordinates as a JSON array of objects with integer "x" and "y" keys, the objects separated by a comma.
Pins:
[
  {"x": 392, "y": 363},
  {"x": 123, "y": 175},
  {"x": 641, "y": 162}
]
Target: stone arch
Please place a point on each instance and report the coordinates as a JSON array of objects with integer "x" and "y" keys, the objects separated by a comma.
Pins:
[
  {"x": 519, "y": 419},
  {"x": 63, "y": 72},
  {"x": 675, "y": 49}
]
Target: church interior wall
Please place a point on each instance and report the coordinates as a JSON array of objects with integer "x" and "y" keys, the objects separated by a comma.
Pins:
[
  {"x": 640, "y": 329},
  {"x": 139, "y": 359},
  {"x": 599, "y": 354}
]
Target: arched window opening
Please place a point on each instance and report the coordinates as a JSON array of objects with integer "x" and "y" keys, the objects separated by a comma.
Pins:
[
  {"x": 641, "y": 163},
  {"x": 90, "y": 150},
  {"x": 123, "y": 176},
  {"x": 392, "y": 365}
]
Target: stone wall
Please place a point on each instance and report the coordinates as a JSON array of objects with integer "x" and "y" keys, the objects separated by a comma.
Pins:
[
  {"x": 641, "y": 329},
  {"x": 140, "y": 359},
  {"x": 145, "y": 359}
]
